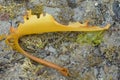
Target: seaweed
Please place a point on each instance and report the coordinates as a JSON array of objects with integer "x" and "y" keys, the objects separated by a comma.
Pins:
[
  {"x": 93, "y": 38},
  {"x": 47, "y": 24}
]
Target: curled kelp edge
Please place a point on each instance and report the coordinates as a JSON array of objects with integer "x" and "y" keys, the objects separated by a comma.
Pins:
[{"x": 47, "y": 23}]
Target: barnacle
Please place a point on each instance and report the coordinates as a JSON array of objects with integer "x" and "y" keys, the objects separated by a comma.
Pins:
[{"x": 46, "y": 23}]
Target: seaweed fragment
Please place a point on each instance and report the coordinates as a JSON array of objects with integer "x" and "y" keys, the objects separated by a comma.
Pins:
[
  {"x": 44, "y": 24},
  {"x": 93, "y": 38}
]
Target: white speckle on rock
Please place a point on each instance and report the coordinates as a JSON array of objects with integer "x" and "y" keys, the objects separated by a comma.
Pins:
[
  {"x": 96, "y": 4},
  {"x": 51, "y": 49}
]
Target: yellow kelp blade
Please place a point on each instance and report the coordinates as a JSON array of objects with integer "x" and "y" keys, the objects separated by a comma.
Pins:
[{"x": 47, "y": 23}]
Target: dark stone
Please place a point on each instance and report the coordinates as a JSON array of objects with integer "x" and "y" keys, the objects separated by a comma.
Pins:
[
  {"x": 116, "y": 10},
  {"x": 72, "y": 3}
]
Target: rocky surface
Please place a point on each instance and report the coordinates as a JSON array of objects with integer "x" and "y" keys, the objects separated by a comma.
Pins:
[{"x": 88, "y": 56}]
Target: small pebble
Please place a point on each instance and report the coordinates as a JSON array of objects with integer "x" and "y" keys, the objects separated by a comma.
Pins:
[
  {"x": 96, "y": 4},
  {"x": 116, "y": 9},
  {"x": 51, "y": 49}
]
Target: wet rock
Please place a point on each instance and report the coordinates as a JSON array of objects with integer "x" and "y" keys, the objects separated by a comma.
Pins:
[
  {"x": 106, "y": 1},
  {"x": 72, "y": 3},
  {"x": 4, "y": 27},
  {"x": 51, "y": 49},
  {"x": 116, "y": 10},
  {"x": 54, "y": 3}
]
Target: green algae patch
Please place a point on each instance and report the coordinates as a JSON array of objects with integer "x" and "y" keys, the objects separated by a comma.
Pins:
[{"x": 93, "y": 38}]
